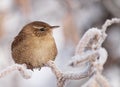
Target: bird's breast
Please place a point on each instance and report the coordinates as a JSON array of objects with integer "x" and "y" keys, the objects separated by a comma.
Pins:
[{"x": 40, "y": 50}]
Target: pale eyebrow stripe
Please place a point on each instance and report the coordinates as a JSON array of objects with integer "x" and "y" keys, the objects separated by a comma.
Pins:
[{"x": 37, "y": 27}]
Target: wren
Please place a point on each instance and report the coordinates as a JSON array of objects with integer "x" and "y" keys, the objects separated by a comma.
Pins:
[{"x": 34, "y": 45}]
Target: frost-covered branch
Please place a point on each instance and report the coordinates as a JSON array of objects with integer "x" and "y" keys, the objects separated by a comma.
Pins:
[
  {"x": 21, "y": 68},
  {"x": 109, "y": 22},
  {"x": 62, "y": 77},
  {"x": 84, "y": 57},
  {"x": 85, "y": 42},
  {"x": 92, "y": 41}
]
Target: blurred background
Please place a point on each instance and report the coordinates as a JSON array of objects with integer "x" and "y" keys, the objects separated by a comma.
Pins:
[{"x": 74, "y": 17}]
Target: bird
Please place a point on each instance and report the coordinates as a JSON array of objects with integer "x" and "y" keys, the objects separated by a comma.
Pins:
[{"x": 34, "y": 45}]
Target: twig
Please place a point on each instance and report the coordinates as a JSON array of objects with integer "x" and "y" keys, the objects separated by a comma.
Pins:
[
  {"x": 21, "y": 68},
  {"x": 84, "y": 42},
  {"x": 102, "y": 80},
  {"x": 84, "y": 57},
  {"x": 109, "y": 23},
  {"x": 105, "y": 27},
  {"x": 63, "y": 77}
]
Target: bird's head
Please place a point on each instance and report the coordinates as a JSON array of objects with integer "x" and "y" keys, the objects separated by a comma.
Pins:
[{"x": 39, "y": 28}]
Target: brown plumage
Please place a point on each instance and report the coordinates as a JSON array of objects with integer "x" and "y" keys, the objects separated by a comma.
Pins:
[{"x": 34, "y": 45}]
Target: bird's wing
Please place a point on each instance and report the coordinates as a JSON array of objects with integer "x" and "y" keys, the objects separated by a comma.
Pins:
[{"x": 18, "y": 39}]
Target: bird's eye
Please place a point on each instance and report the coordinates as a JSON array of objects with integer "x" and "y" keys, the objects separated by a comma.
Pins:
[
  {"x": 39, "y": 28},
  {"x": 42, "y": 29}
]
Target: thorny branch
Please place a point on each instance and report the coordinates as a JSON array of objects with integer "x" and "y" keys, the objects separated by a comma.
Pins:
[{"x": 89, "y": 50}]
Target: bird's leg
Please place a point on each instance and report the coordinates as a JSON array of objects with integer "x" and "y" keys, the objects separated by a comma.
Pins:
[{"x": 29, "y": 66}]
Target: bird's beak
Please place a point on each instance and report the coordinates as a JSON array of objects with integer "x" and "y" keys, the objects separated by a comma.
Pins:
[{"x": 53, "y": 27}]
